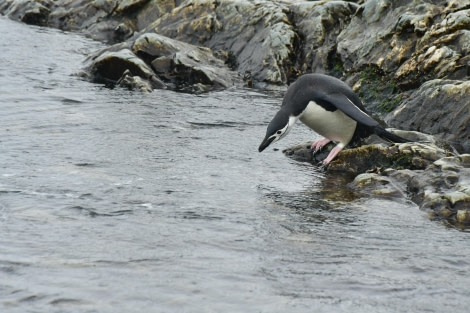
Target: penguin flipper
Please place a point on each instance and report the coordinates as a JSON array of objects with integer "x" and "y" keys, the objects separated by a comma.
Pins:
[{"x": 348, "y": 107}]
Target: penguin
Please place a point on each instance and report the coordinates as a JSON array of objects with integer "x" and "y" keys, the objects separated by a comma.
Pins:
[{"x": 329, "y": 107}]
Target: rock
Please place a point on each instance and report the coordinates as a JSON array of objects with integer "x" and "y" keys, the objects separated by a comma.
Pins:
[
  {"x": 442, "y": 189},
  {"x": 429, "y": 175},
  {"x": 376, "y": 184},
  {"x": 375, "y": 153},
  {"x": 110, "y": 66},
  {"x": 37, "y": 15},
  {"x": 93, "y": 18},
  {"x": 257, "y": 37},
  {"x": 439, "y": 107},
  {"x": 154, "y": 57},
  {"x": 463, "y": 216},
  {"x": 129, "y": 6},
  {"x": 182, "y": 63},
  {"x": 106, "y": 20},
  {"x": 131, "y": 82},
  {"x": 373, "y": 35},
  {"x": 303, "y": 152},
  {"x": 28, "y": 11},
  {"x": 370, "y": 157},
  {"x": 318, "y": 25}
]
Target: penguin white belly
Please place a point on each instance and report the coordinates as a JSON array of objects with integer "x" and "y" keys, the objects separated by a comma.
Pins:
[{"x": 335, "y": 125}]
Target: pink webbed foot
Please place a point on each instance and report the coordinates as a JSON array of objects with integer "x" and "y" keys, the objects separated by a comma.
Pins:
[
  {"x": 319, "y": 144},
  {"x": 333, "y": 153}
]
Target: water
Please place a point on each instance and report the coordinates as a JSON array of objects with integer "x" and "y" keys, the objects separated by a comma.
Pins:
[{"x": 119, "y": 201}]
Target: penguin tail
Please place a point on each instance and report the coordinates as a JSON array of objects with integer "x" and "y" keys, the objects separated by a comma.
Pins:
[{"x": 389, "y": 136}]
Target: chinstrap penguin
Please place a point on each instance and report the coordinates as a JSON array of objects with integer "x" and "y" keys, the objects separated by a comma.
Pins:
[{"x": 329, "y": 107}]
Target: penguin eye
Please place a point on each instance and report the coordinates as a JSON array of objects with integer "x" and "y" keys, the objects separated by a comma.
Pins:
[{"x": 278, "y": 132}]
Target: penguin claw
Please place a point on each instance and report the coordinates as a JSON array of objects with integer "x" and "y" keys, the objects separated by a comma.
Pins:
[
  {"x": 315, "y": 151},
  {"x": 322, "y": 166},
  {"x": 314, "y": 158}
]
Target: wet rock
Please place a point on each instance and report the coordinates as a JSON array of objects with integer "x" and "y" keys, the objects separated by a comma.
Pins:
[
  {"x": 110, "y": 66},
  {"x": 303, "y": 152},
  {"x": 28, "y": 11},
  {"x": 131, "y": 82},
  {"x": 36, "y": 15},
  {"x": 398, "y": 156},
  {"x": 376, "y": 184},
  {"x": 444, "y": 189}
]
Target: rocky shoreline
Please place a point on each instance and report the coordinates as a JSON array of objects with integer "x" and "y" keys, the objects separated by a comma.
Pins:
[
  {"x": 408, "y": 61},
  {"x": 427, "y": 172}
]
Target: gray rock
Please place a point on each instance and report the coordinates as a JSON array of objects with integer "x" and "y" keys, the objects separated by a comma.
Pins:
[
  {"x": 124, "y": 6},
  {"x": 182, "y": 63},
  {"x": 439, "y": 107},
  {"x": 443, "y": 189},
  {"x": 28, "y": 11},
  {"x": 318, "y": 25},
  {"x": 378, "y": 185},
  {"x": 256, "y": 37},
  {"x": 154, "y": 57},
  {"x": 94, "y": 18},
  {"x": 134, "y": 82},
  {"x": 109, "y": 66}
]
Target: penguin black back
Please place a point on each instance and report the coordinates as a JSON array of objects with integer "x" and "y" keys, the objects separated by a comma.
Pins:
[{"x": 318, "y": 88}]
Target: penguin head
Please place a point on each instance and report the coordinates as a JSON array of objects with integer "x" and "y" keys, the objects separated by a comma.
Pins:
[{"x": 278, "y": 128}]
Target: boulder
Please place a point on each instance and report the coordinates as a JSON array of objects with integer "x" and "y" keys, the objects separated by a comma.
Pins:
[
  {"x": 109, "y": 66},
  {"x": 157, "y": 58},
  {"x": 183, "y": 64},
  {"x": 154, "y": 57},
  {"x": 439, "y": 107},
  {"x": 28, "y": 11}
]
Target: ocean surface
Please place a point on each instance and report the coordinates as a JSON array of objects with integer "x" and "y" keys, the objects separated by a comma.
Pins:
[{"x": 120, "y": 201}]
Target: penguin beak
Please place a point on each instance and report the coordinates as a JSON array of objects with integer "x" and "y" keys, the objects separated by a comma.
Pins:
[{"x": 266, "y": 142}]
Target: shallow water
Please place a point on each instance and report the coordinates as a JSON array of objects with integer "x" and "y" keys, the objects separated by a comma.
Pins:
[{"x": 119, "y": 201}]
